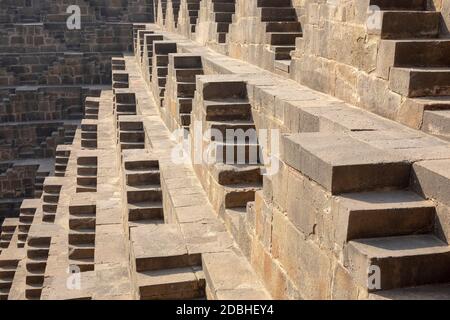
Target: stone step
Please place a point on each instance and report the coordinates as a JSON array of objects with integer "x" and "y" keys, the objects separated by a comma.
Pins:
[
  {"x": 124, "y": 96},
  {"x": 437, "y": 123},
  {"x": 141, "y": 164},
  {"x": 342, "y": 164},
  {"x": 144, "y": 193},
  {"x": 399, "y": 4},
  {"x": 6, "y": 283},
  {"x": 382, "y": 214},
  {"x": 236, "y": 153},
  {"x": 244, "y": 129},
  {"x": 81, "y": 251},
  {"x": 126, "y": 124},
  {"x": 90, "y": 181},
  {"x": 83, "y": 210},
  {"x": 420, "y": 82},
  {"x": 4, "y": 294},
  {"x": 221, "y": 90},
  {"x": 87, "y": 170},
  {"x": 283, "y": 52},
  {"x": 35, "y": 278},
  {"x": 33, "y": 291},
  {"x": 404, "y": 261},
  {"x": 82, "y": 236},
  {"x": 49, "y": 207},
  {"x": 84, "y": 265},
  {"x": 82, "y": 223},
  {"x": 126, "y": 107},
  {"x": 188, "y": 75},
  {"x": 50, "y": 197},
  {"x": 89, "y": 136},
  {"x": 241, "y": 284},
  {"x": 132, "y": 145},
  {"x": 432, "y": 180},
  {"x": 37, "y": 252},
  {"x": 269, "y": 14},
  {"x": 36, "y": 264},
  {"x": 186, "y": 61},
  {"x": 415, "y": 53},
  {"x": 135, "y": 178},
  {"x": 49, "y": 217},
  {"x": 283, "y": 26},
  {"x": 145, "y": 211},
  {"x": 179, "y": 283},
  {"x": 237, "y": 196},
  {"x": 132, "y": 136},
  {"x": 282, "y": 38},
  {"x": 227, "y": 175},
  {"x": 89, "y": 143},
  {"x": 7, "y": 271},
  {"x": 52, "y": 188},
  {"x": 87, "y": 161},
  {"x": 147, "y": 242},
  {"x": 428, "y": 292},
  {"x": 227, "y": 109},
  {"x": 409, "y": 24},
  {"x": 273, "y": 3}
]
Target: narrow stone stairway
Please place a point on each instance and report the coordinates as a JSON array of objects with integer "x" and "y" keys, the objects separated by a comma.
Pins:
[
  {"x": 282, "y": 28},
  {"x": 81, "y": 239},
  {"x": 36, "y": 262},
  {"x": 416, "y": 60}
]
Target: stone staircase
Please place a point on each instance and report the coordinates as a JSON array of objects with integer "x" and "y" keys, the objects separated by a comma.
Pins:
[
  {"x": 147, "y": 60},
  {"x": 36, "y": 262},
  {"x": 136, "y": 28},
  {"x": 86, "y": 173},
  {"x": 382, "y": 225},
  {"x": 124, "y": 103},
  {"x": 120, "y": 79},
  {"x": 233, "y": 173},
  {"x": 221, "y": 12},
  {"x": 161, "y": 51},
  {"x": 118, "y": 63},
  {"x": 8, "y": 229},
  {"x": 140, "y": 44},
  {"x": 130, "y": 133},
  {"x": 7, "y": 272},
  {"x": 161, "y": 10},
  {"x": 50, "y": 199},
  {"x": 169, "y": 274},
  {"x": 69, "y": 133},
  {"x": 188, "y": 17},
  {"x": 82, "y": 225},
  {"x": 27, "y": 214},
  {"x": 172, "y": 15},
  {"x": 143, "y": 188},
  {"x": 61, "y": 159},
  {"x": 180, "y": 87},
  {"x": 92, "y": 104},
  {"x": 282, "y": 29},
  {"x": 414, "y": 59},
  {"x": 89, "y": 134}
]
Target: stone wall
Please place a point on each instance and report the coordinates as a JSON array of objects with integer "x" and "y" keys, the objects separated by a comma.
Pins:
[
  {"x": 55, "y": 37},
  {"x": 342, "y": 54},
  {"x": 41, "y": 103},
  {"x": 91, "y": 10}
]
